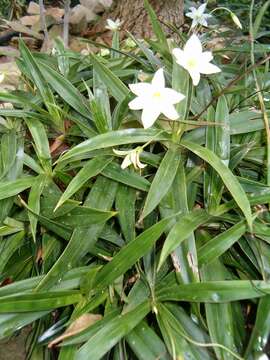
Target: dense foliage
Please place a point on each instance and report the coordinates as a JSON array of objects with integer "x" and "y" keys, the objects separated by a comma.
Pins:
[{"x": 170, "y": 261}]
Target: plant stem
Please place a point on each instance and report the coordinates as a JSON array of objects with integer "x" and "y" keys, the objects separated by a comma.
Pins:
[{"x": 43, "y": 20}]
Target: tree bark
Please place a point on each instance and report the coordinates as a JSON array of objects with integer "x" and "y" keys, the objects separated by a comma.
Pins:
[{"x": 136, "y": 20}]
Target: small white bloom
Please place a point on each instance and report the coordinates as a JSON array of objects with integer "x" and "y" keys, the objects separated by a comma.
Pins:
[
  {"x": 104, "y": 52},
  {"x": 113, "y": 25},
  {"x": 194, "y": 60},
  {"x": 197, "y": 15},
  {"x": 263, "y": 357},
  {"x": 132, "y": 157},
  {"x": 2, "y": 77},
  {"x": 155, "y": 99},
  {"x": 236, "y": 20}
]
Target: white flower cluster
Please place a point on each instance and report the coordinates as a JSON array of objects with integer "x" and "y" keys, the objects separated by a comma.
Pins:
[{"x": 155, "y": 99}]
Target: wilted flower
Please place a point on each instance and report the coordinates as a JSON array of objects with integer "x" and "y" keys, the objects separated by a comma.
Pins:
[
  {"x": 155, "y": 99},
  {"x": 113, "y": 25},
  {"x": 132, "y": 157},
  {"x": 194, "y": 60},
  {"x": 197, "y": 15},
  {"x": 236, "y": 20}
]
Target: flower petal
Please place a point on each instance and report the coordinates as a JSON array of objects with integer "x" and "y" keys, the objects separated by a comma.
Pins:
[
  {"x": 203, "y": 22},
  {"x": 149, "y": 116},
  {"x": 137, "y": 104},
  {"x": 140, "y": 89},
  {"x": 179, "y": 56},
  {"x": 190, "y": 15},
  {"x": 158, "y": 79},
  {"x": 206, "y": 56},
  {"x": 193, "y": 45},
  {"x": 201, "y": 9},
  {"x": 126, "y": 162},
  {"x": 208, "y": 68},
  {"x": 195, "y": 75},
  {"x": 138, "y": 163},
  {"x": 170, "y": 112},
  {"x": 172, "y": 96},
  {"x": 121, "y": 152}
]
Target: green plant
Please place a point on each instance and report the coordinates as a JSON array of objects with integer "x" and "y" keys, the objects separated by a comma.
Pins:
[{"x": 174, "y": 257}]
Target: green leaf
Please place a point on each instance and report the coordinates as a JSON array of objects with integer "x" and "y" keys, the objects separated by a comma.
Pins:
[
  {"x": 83, "y": 239},
  {"x": 84, "y": 216},
  {"x": 115, "y": 138},
  {"x": 129, "y": 254},
  {"x": 117, "y": 88},
  {"x": 11, "y": 188},
  {"x": 181, "y": 230},
  {"x": 92, "y": 168},
  {"x": 214, "y": 312},
  {"x": 226, "y": 175},
  {"x": 215, "y": 291},
  {"x": 161, "y": 37},
  {"x": 34, "y": 201},
  {"x": 125, "y": 206},
  {"x": 125, "y": 176},
  {"x": 104, "y": 339},
  {"x": 33, "y": 71},
  {"x": 162, "y": 180},
  {"x": 146, "y": 344},
  {"x": 220, "y": 243},
  {"x": 65, "y": 89},
  {"x": 8, "y": 246},
  {"x": 38, "y": 301}
]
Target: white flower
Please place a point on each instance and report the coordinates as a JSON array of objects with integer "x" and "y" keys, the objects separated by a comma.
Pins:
[
  {"x": 197, "y": 15},
  {"x": 2, "y": 77},
  {"x": 131, "y": 157},
  {"x": 263, "y": 357},
  {"x": 236, "y": 20},
  {"x": 113, "y": 25},
  {"x": 154, "y": 99},
  {"x": 104, "y": 52},
  {"x": 194, "y": 60}
]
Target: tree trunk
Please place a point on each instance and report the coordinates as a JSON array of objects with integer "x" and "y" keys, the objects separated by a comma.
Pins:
[{"x": 136, "y": 20}]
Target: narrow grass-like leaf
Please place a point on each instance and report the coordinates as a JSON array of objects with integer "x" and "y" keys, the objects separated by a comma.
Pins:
[
  {"x": 146, "y": 344},
  {"x": 228, "y": 178},
  {"x": 215, "y": 291},
  {"x": 161, "y": 37},
  {"x": 216, "y": 246},
  {"x": 181, "y": 230},
  {"x": 162, "y": 180},
  {"x": 124, "y": 176},
  {"x": 115, "y": 138},
  {"x": 40, "y": 138},
  {"x": 129, "y": 254},
  {"x": 115, "y": 85},
  {"x": 8, "y": 246},
  {"x": 92, "y": 168},
  {"x": 65, "y": 89},
  {"x": 34, "y": 201},
  {"x": 83, "y": 239},
  {"x": 38, "y": 301},
  {"x": 104, "y": 339},
  {"x": 11, "y": 188},
  {"x": 125, "y": 206}
]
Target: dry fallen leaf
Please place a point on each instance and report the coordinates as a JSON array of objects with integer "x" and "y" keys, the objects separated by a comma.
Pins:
[{"x": 77, "y": 326}]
